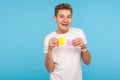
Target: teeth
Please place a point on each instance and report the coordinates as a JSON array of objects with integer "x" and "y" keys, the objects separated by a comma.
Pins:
[{"x": 64, "y": 24}]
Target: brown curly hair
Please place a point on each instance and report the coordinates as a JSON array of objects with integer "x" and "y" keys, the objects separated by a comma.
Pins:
[{"x": 62, "y": 6}]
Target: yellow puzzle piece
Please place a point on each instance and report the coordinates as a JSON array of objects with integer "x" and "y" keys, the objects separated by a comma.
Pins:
[{"x": 61, "y": 41}]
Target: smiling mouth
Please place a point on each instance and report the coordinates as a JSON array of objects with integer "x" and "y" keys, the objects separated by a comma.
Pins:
[{"x": 64, "y": 24}]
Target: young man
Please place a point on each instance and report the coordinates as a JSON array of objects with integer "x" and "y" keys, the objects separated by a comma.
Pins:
[{"x": 65, "y": 47}]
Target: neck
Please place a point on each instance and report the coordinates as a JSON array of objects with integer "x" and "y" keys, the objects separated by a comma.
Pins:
[{"x": 61, "y": 31}]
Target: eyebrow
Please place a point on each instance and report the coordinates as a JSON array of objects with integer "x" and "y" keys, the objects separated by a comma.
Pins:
[{"x": 67, "y": 15}]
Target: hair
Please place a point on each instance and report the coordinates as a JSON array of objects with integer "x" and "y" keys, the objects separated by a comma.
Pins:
[{"x": 62, "y": 6}]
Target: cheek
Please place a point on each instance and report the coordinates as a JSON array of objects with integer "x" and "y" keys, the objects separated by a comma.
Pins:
[
  {"x": 58, "y": 20},
  {"x": 70, "y": 20}
]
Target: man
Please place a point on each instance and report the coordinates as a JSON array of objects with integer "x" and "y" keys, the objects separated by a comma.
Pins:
[{"x": 65, "y": 47}]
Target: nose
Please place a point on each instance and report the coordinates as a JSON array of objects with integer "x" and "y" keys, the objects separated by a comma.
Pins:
[{"x": 65, "y": 20}]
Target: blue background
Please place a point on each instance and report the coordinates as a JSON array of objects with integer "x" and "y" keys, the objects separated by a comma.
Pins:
[{"x": 25, "y": 23}]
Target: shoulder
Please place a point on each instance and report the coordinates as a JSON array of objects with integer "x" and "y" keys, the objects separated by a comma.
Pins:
[{"x": 48, "y": 36}]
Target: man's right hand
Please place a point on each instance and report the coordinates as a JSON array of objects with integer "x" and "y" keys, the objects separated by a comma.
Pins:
[{"x": 53, "y": 42}]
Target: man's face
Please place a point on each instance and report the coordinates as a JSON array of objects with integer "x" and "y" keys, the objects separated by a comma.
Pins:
[{"x": 63, "y": 19}]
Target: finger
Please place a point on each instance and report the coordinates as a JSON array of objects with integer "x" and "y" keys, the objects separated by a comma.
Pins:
[
  {"x": 77, "y": 44},
  {"x": 76, "y": 40},
  {"x": 54, "y": 43},
  {"x": 82, "y": 42},
  {"x": 57, "y": 43},
  {"x": 56, "y": 40},
  {"x": 52, "y": 39}
]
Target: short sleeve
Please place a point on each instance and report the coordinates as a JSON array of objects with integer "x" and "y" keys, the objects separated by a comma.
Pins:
[
  {"x": 46, "y": 44},
  {"x": 84, "y": 37}
]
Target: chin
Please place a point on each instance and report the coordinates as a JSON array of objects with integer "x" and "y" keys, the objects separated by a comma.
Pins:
[{"x": 65, "y": 28}]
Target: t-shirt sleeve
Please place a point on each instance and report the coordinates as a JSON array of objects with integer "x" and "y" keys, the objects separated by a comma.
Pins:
[
  {"x": 46, "y": 44},
  {"x": 84, "y": 37}
]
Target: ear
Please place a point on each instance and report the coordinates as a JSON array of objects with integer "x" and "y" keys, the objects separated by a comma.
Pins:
[{"x": 55, "y": 18}]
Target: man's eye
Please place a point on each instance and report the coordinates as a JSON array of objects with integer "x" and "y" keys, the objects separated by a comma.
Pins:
[
  {"x": 69, "y": 17},
  {"x": 61, "y": 16}
]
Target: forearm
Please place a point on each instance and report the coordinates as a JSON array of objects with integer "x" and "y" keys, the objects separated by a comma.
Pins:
[
  {"x": 49, "y": 61},
  {"x": 85, "y": 55}
]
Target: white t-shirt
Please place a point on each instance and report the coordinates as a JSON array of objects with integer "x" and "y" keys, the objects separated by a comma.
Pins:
[{"x": 66, "y": 57}]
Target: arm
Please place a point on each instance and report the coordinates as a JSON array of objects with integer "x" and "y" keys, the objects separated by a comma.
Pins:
[
  {"x": 85, "y": 54},
  {"x": 50, "y": 65},
  {"x": 49, "y": 61},
  {"x": 84, "y": 51}
]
